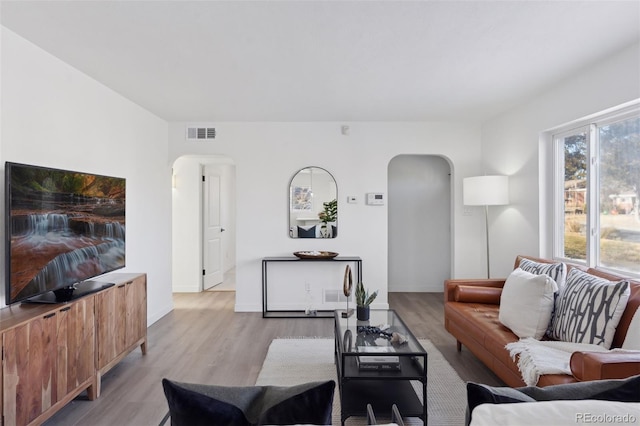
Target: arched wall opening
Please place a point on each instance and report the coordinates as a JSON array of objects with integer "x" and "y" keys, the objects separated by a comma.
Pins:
[
  {"x": 187, "y": 219},
  {"x": 419, "y": 223}
]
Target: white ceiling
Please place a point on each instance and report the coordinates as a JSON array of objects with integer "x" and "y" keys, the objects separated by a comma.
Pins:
[{"x": 327, "y": 60}]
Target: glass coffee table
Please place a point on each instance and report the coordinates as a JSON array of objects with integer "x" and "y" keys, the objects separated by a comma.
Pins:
[{"x": 373, "y": 368}]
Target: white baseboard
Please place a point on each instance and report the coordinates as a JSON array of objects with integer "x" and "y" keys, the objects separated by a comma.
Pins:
[
  {"x": 248, "y": 307},
  {"x": 185, "y": 289},
  {"x": 158, "y": 314}
]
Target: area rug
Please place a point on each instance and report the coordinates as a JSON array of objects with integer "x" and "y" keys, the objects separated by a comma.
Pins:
[{"x": 294, "y": 361}]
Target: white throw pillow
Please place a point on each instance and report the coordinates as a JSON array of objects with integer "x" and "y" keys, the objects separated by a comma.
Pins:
[
  {"x": 632, "y": 339},
  {"x": 589, "y": 309},
  {"x": 574, "y": 412},
  {"x": 557, "y": 272},
  {"x": 526, "y": 303}
]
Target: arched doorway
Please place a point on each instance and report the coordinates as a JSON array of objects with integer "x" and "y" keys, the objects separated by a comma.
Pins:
[
  {"x": 188, "y": 219},
  {"x": 419, "y": 228}
]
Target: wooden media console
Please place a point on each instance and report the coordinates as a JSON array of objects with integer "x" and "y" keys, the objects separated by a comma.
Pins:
[{"x": 53, "y": 352}]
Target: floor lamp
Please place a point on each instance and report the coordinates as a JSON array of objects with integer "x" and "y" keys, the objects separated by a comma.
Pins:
[{"x": 486, "y": 191}]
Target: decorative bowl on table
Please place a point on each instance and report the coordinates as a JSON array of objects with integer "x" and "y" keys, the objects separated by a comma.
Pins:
[{"x": 315, "y": 254}]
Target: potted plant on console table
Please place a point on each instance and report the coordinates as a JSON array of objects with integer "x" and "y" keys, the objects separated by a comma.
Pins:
[
  {"x": 363, "y": 300},
  {"x": 327, "y": 216}
]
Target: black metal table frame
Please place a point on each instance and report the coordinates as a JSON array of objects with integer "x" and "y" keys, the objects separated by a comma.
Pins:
[
  {"x": 388, "y": 387},
  {"x": 266, "y": 313}
]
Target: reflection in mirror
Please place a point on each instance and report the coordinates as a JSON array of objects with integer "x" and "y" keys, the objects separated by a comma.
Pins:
[{"x": 313, "y": 204}]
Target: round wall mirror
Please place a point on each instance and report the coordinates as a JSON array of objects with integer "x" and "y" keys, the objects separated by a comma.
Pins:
[{"x": 313, "y": 204}]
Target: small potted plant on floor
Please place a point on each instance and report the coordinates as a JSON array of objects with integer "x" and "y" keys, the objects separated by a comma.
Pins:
[{"x": 363, "y": 300}]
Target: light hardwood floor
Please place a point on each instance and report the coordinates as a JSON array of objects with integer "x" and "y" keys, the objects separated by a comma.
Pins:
[{"x": 204, "y": 341}]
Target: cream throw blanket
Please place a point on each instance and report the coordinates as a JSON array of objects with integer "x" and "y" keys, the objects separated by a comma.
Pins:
[{"x": 546, "y": 357}]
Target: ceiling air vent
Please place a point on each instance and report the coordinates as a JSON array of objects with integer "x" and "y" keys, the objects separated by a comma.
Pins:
[{"x": 201, "y": 133}]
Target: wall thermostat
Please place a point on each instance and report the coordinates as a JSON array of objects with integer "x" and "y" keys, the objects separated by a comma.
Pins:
[{"x": 375, "y": 198}]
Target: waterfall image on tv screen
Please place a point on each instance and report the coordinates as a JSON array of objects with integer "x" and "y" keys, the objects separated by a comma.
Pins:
[{"x": 63, "y": 227}]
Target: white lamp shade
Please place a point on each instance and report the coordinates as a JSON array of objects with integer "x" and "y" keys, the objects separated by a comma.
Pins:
[{"x": 485, "y": 190}]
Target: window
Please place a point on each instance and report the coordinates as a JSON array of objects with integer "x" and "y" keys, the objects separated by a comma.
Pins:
[{"x": 597, "y": 192}]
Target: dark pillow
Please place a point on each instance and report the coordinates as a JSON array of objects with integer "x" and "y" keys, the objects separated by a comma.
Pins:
[
  {"x": 194, "y": 404},
  {"x": 307, "y": 233},
  {"x": 622, "y": 390}
]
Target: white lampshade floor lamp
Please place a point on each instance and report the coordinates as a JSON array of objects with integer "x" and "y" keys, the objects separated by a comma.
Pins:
[{"x": 486, "y": 191}]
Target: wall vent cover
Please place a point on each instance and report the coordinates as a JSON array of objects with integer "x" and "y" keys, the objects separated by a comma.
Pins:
[{"x": 201, "y": 133}]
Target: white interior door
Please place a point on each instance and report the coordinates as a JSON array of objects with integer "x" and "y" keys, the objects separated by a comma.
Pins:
[{"x": 212, "y": 230}]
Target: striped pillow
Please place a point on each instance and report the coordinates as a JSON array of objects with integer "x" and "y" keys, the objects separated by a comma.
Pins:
[
  {"x": 589, "y": 309},
  {"x": 557, "y": 271}
]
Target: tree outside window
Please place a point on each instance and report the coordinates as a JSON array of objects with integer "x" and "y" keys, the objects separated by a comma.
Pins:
[
  {"x": 603, "y": 228},
  {"x": 619, "y": 161},
  {"x": 575, "y": 195}
]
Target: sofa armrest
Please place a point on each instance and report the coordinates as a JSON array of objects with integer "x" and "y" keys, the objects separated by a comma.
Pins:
[
  {"x": 450, "y": 285},
  {"x": 604, "y": 365}
]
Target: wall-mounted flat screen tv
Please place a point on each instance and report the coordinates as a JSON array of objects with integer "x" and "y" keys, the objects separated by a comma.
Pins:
[{"x": 62, "y": 228}]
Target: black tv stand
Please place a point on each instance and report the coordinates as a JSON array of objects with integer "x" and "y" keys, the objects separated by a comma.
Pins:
[{"x": 67, "y": 294}]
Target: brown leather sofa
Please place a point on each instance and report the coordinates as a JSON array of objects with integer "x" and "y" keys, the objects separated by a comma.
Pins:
[{"x": 471, "y": 309}]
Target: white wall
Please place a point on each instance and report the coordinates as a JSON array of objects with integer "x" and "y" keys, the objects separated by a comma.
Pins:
[
  {"x": 514, "y": 144},
  {"x": 53, "y": 115},
  {"x": 267, "y": 155},
  {"x": 227, "y": 171}
]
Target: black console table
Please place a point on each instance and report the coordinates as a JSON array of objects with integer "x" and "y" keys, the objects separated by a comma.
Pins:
[{"x": 266, "y": 313}]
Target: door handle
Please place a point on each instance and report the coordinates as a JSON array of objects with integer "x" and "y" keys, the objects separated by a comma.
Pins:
[{"x": 222, "y": 229}]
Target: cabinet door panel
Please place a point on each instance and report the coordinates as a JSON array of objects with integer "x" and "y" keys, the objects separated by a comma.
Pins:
[
  {"x": 65, "y": 367},
  {"x": 76, "y": 345},
  {"x": 29, "y": 370},
  {"x": 84, "y": 341},
  {"x": 111, "y": 319},
  {"x": 136, "y": 323}
]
